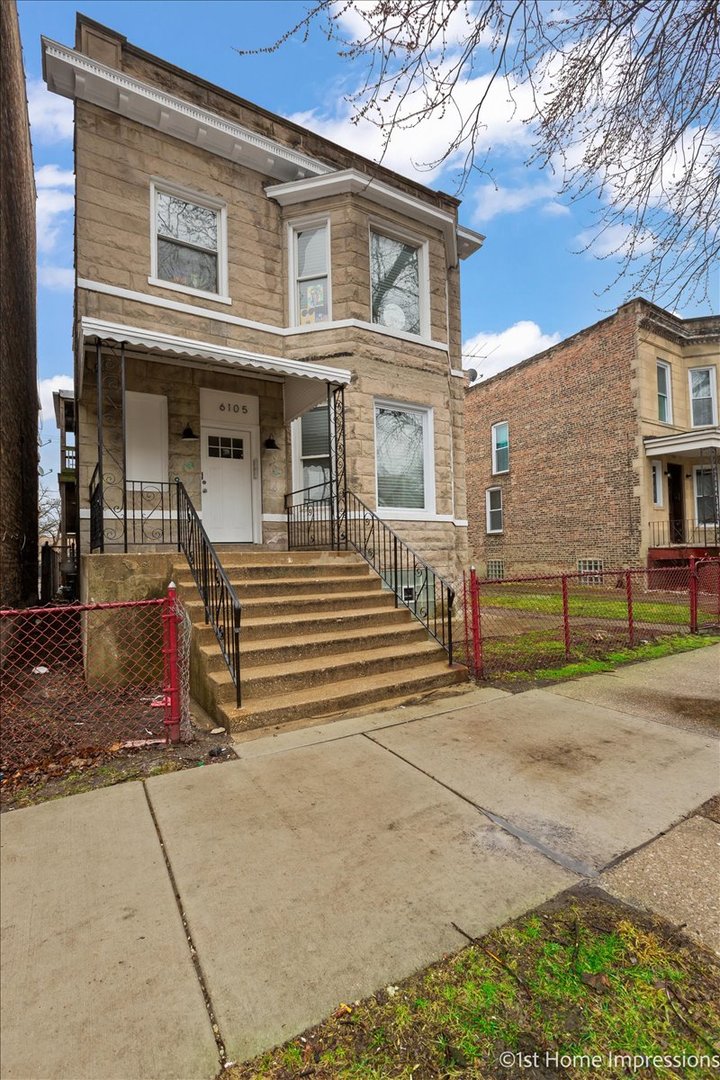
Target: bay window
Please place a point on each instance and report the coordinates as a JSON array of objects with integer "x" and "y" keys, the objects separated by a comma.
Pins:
[
  {"x": 397, "y": 279},
  {"x": 310, "y": 273},
  {"x": 703, "y": 396}
]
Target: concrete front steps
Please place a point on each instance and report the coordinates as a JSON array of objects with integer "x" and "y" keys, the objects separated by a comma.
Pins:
[{"x": 319, "y": 636}]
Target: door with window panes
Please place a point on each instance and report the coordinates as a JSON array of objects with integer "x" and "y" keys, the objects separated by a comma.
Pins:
[{"x": 227, "y": 504}]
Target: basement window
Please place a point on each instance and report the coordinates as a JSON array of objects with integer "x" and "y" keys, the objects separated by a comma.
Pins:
[
  {"x": 590, "y": 571},
  {"x": 495, "y": 569}
]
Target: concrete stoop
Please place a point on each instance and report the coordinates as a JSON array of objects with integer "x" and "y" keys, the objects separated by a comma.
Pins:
[{"x": 319, "y": 635}]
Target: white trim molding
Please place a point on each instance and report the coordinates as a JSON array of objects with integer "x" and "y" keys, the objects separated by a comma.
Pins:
[
  {"x": 73, "y": 75},
  {"x": 235, "y": 320},
  {"x": 685, "y": 442},
  {"x": 459, "y": 242}
]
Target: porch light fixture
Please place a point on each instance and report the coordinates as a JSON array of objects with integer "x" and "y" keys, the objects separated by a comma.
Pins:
[
  {"x": 188, "y": 435},
  {"x": 270, "y": 443}
]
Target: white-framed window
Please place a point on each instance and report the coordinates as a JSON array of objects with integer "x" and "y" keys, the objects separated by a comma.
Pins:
[
  {"x": 590, "y": 571},
  {"x": 656, "y": 477},
  {"x": 399, "y": 287},
  {"x": 311, "y": 453},
  {"x": 707, "y": 511},
  {"x": 404, "y": 459},
  {"x": 703, "y": 396},
  {"x": 664, "y": 391},
  {"x": 146, "y": 437},
  {"x": 188, "y": 242},
  {"x": 493, "y": 510},
  {"x": 495, "y": 569},
  {"x": 309, "y": 264},
  {"x": 500, "y": 448}
]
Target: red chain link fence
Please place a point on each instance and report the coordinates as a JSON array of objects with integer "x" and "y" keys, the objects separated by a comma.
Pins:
[
  {"x": 92, "y": 676},
  {"x": 526, "y": 624}
]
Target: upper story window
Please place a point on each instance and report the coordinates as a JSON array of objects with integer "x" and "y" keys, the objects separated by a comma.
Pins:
[
  {"x": 310, "y": 273},
  {"x": 703, "y": 396},
  {"x": 501, "y": 448},
  {"x": 397, "y": 279},
  {"x": 664, "y": 392},
  {"x": 403, "y": 457},
  {"x": 189, "y": 246}
]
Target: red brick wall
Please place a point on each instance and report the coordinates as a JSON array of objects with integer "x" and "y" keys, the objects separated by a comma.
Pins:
[
  {"x": 573, "y": 426},
  {"x": 18, "y": 390}
]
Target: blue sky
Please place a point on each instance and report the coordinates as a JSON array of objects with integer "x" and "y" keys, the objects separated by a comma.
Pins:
[{"x": 530, "y": 286}]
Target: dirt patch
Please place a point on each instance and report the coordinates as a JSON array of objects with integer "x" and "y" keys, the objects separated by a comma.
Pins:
[
  {"x": 73, "y": 774},
  {"x": 580, "y": 977},
  {"x": 711, "y": 809}
]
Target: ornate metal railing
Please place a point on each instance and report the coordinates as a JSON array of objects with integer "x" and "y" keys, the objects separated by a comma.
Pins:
[
  {"x": 144, "y": 512},
  {"x": 222, "y": 607},
  {"x": 684, "y": 532},
  {"x": 316, "y": 518},
  {"x": 310, "y": 518}
]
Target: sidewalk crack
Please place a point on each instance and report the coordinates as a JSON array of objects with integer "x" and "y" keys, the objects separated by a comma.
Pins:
[
  {"x": 194, "y": 957},
  {"x": 566, "y": 861}
]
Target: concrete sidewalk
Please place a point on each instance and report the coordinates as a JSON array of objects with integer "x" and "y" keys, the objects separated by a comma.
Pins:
[{"x": 323, "y": 864}]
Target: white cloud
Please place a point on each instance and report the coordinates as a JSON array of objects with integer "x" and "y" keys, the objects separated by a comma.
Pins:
[
  {"x": 51, "y": 116},
  {"x": 46, "y": 389},
  {"x": 52, "y": 176},
  {"x": 60, "y": 278},
  {"x": 494, "y": 199},
  {"x": 55, "y": 200},
  {"x": 415, "y": 146},
  {"x": 491, "y": 353}
]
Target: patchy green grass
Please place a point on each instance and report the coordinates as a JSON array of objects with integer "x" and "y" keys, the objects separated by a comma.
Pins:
[
  {"x": 581, "y": 976},
  {"x": 540, "y": 651},
  {"x": 592, "y": 607}
]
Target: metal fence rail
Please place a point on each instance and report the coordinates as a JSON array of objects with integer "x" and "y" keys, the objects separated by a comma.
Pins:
[
  {"x": 87, "y": 676},
  {"x": 544, "y": 622}
]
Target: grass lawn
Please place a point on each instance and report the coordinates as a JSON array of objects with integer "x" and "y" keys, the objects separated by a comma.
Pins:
[
  {"x": 581, "y": 976},
  {"x": 552, "y": 654},
  {"x": 591, "y": 607}
]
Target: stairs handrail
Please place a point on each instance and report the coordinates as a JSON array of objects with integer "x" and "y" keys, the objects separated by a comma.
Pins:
[
  {"x": 416, "y": 584},
  {"x": 223, "y": 610}
]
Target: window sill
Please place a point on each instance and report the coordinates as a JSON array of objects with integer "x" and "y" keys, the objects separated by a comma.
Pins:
[
  {"x": 388, "y": 513},
  {"x": 500, "y": 472},
  {"x": 158, "y": 283},
  {"x": 494, "y": 532}
]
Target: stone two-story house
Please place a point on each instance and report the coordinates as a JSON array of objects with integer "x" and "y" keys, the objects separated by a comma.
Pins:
[
  {"x": 18, "y": 359},
  {"x": 267, "y": 345},
  {"x": 601, "y": 451}
]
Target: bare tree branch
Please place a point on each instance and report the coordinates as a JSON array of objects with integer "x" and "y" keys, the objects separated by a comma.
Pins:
[{"x": 625, "y": 101}]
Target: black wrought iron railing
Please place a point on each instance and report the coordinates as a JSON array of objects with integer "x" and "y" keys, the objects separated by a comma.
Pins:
[
  {"x": 139, "y": 513},
  {"x": 318, "y": 518},
  {"x": 222, "y": 607},
  {"x": 688, "y": 532}
]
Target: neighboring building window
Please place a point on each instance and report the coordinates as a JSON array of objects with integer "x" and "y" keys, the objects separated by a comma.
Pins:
[
  {"x": 403, "y": 455},
  {"x": 146, "y": 437},
  {"x": 590, "y": 571},
  {"x": 706, "y": 508},
  {"x": 315, "y": 452},
  {"x": 494, "y": 510},
  {"x": 310, "y": 263},
  {"x": 703, "y": 396},
  {"x": 657, "y": 484},
  {"x": 496, "y": 568},
  {"x": 189, "y": 243},
  {"x": 500, "y": 448},
  {"x": 664, "y": 392},
  {"x": 395, "y": 271}
]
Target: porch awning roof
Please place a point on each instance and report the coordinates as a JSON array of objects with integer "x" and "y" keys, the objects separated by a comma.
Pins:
[
  {"x": 304, "y": 382},
  {"x": 684, "y": 442}
]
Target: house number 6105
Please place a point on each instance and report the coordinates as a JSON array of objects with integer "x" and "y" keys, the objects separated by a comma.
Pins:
[{"x": 232, "y": 408}]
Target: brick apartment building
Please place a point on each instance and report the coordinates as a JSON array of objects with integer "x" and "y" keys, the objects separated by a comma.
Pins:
[
  {"x": 601, "y": 451},
  {"x": 18, "y": 363}
]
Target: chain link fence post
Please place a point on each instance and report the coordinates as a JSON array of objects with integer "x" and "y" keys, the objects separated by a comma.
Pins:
[{"x": 171, "y": 689}]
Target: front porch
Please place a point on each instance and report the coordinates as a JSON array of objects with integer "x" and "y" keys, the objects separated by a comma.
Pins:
[{"x": 684, "y": 475}]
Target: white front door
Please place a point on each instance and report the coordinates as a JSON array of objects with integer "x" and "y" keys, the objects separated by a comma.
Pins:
[{"x": 227, "y": 485}]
